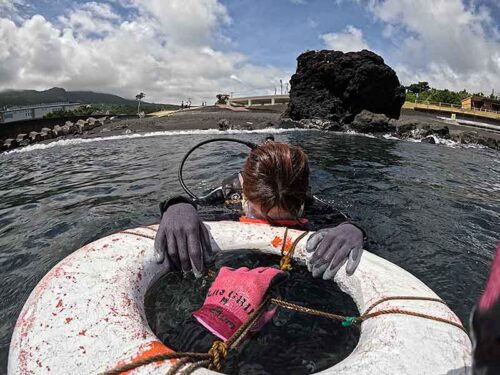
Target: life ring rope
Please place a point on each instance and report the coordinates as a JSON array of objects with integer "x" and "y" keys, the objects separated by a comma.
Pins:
[
  {"x": 108, "y": 328},
  {"x": 219, "y": 350}
]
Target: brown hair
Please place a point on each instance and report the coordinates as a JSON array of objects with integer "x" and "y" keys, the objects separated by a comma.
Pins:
[{"x": 276, "y": 175}]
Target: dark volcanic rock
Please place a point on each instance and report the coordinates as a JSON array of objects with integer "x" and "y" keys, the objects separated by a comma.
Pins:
[
  {"x": 224, "y": 124},
  {"x": 405, "y": 127},
  {"x": 287, "y": 123},
  {"x": 442, "y": 131},
  {"x": 430, "y": 139},
  {"x": 320, "y": 124},
  {"x": 368, "y": 122},
  {"x": 472, "y": 137},
  {"x": 335, "y": 86}
]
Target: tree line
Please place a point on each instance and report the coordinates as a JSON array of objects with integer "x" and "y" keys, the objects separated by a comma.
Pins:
[{"x": 423, "y": 92}]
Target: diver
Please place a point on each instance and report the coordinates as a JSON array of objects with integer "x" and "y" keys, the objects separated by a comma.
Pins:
[{"x": 273, "y": 188}]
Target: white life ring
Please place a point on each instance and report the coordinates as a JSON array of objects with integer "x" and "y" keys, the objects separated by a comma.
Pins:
[{"x": 87, "y": 314}]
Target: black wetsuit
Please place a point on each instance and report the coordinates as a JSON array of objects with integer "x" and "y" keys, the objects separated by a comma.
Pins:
[{"x": 224, "y": 202}]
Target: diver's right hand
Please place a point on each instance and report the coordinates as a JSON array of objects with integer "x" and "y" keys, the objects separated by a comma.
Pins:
[{"x": 182, "y": 240}]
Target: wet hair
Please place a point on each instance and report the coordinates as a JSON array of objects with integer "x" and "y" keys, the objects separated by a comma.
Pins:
[{"x": 276, "y": 175}]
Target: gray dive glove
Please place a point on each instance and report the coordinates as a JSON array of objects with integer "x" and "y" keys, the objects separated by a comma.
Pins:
[
  {"x": 182, "y": 240},
  {"x": 329, "y": 249}
]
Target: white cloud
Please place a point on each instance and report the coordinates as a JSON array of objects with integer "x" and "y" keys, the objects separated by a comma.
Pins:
[
  {"x": 348, "y": 40},
  {"x": 447, "y": 43},
  {"x": 298, "y": 2},
  {"x": 91, "y": 18},
  {"x": 166, "y": 50},
  {"x": 14, "y": 8}
]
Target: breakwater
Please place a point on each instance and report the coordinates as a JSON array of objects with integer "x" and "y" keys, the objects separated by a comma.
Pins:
[{"x": 45, "y": 133}]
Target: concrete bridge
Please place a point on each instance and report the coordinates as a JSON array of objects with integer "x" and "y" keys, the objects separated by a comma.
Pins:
[{"x": 249, "y": 101}]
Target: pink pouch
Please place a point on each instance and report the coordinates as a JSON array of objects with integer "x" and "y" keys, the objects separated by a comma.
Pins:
[{"x": 234, "y": 295}]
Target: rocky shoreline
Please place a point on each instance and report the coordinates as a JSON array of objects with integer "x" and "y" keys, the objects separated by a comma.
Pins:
[
  {"x": 411, "y": 125},
  {"x": 69, "y": 128},
  {"x": 330, "y": 91}
]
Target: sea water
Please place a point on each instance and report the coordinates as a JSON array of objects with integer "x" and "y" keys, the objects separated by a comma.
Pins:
[{"x": 432, "y": 209}]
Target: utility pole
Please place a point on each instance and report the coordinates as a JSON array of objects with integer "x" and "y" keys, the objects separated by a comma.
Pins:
[
  {"x": 281, "y": 85},
  {"x": 275, "y": 91},
  {"x": 286, "y": 90}
]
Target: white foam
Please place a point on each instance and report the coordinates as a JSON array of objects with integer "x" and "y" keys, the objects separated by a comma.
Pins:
[
  {"x": 438, "y": 140},
  {"x": 78, "y": 141},
  {"x": 390, "y": 136},
  {"x": 353, "y": 132}
]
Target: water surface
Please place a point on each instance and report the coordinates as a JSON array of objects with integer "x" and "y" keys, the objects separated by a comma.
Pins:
[{"x": 433, "y": 210}]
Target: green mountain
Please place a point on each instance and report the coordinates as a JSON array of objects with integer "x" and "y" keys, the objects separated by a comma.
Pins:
[{"x": 11, "y": 98}]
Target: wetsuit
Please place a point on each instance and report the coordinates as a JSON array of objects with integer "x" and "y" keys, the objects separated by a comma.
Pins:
[{"x": 224, "y": 203}]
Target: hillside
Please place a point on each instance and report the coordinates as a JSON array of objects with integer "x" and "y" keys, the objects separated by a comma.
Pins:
[{"x": 11, "y": 98}]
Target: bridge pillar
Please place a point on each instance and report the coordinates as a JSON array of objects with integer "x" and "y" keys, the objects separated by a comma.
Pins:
[{"x": 272, "y": 101}]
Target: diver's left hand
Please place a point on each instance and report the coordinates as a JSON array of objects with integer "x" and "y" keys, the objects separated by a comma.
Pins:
[{"x": 329, "y": 249}]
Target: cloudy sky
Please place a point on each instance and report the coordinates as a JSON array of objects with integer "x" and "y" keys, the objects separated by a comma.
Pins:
[{"x": 175, "y": 49}]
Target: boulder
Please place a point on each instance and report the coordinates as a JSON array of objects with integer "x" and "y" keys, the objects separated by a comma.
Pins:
[
  {"x": 469, "y": 137},
  {"x": 405, "y": 127},
  {"x": 430, "y": 139},
  {"x": 35, "y": 137},
  {"x": 57, "y": 130},
  {"x": 369, "y": 122},
  {"x": 79, "y": 129},
  {"x": 441, "y": 131},
  {"x": 489, "y": 142},
  {"x": 320, "y": 124},
  {"x": 336, "y": 86},
  {"x": 65, "y": 130},
  {"x": 104, "y": 120},
  {"x": 224, "y": 124},
  {"x": 46, "y": 133},
  {"x": 72, "y": 128},
  {"x": 82, "y": 125},
  {"x": 10, "y": 144},
  {"x": 92, "y": 123},
  {"x": 22, "y": 137},
  {"x": 472, "y": 137}
]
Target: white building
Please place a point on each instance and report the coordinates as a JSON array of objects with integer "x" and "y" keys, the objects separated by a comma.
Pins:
[{"x": 34, "y": 111}]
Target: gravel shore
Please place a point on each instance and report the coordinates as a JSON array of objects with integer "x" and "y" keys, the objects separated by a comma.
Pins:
[{"x": 259, "y": 118}]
